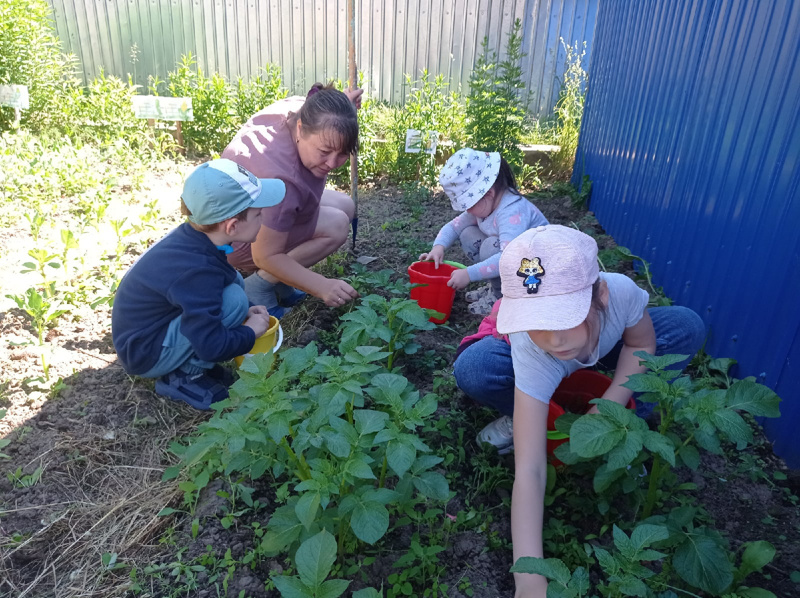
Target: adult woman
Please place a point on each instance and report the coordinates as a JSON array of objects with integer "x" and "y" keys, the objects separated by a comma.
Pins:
[{"x": 298, "y": 140}]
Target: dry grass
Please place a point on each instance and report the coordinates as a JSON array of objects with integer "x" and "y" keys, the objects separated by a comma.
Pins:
[{"x": 114, "y": 491}]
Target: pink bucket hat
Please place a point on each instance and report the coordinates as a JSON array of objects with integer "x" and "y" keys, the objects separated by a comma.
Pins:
[
  {"x": 468, "y": 175},
  {"x": 547, "y": 275}
]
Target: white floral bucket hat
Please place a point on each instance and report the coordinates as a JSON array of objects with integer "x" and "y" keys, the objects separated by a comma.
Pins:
[{"x": 468, "y": 175}]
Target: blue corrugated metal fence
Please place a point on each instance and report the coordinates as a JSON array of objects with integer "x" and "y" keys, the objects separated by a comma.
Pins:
[{"x": 691, "y": 137}]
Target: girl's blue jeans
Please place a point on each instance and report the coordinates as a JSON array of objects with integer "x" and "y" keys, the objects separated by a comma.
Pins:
[
  {"x": 485, "y": 373},
  {"x": 177, "y": 351}
]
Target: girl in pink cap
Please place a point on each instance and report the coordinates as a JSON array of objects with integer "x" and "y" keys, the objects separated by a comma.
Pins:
[
  {"x": 560, "y": 314},
  {"x": 482, "y": 187}
]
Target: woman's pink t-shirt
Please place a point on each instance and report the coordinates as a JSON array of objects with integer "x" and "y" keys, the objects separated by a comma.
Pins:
[{"x": 264, "y": 145}]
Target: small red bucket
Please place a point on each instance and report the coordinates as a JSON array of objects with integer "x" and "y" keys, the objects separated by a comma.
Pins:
[
  {"x": 573, "y": 396},
  {"x": 435, "y": 294}
]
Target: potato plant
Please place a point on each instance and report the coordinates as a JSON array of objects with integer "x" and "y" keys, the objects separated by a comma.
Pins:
[
  {"x": 336, "y": 434},
  {"x": 671, "y": 536}
]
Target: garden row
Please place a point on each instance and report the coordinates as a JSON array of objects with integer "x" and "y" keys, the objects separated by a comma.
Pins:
[{"x": 350, "y": 454}]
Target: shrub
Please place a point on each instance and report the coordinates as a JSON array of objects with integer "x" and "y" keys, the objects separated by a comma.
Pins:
[
  {"x": 495, "y": 111},
  {"x": 104, "y": 112},
  {"x": 214, "y": 123},
  {"x": 429, "y": 107},
  {"x": 258, "y": 93},
  {"x": 30, "y": 54}
]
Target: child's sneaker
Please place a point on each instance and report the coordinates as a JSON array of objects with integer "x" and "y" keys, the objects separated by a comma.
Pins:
[
  {"x": 483, "y": 306},
  {"x": 222, "y": 375},
  {"x": 472, "y": 296},
  {"x": 197, "y": 390},
  {"x": 500, "y": 434}
]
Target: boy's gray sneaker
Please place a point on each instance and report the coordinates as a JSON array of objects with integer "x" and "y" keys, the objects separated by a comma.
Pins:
[{"x": 500, "y": 434}]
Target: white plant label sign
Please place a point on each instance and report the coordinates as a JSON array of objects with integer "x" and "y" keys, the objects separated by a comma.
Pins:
[
  {"x": 163, "y": 108},
  {"x": 421, "y": 141},
  {"x": 15, "y": 96}
]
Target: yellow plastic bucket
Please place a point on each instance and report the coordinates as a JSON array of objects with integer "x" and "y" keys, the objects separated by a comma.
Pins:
[{"x": 271, "y": 340}]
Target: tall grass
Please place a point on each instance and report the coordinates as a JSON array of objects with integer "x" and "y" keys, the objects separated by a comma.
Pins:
[{"x": 569, "y": 110}]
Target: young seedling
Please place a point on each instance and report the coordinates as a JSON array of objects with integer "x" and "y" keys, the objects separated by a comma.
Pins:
[{"x": 43, "y": 259}]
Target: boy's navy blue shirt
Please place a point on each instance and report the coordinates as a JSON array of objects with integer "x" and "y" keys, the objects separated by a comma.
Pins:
[{"x": 184, "y": 274}]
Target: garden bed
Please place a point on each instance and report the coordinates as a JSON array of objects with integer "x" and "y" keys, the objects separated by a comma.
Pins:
[{"x": 82, "y": 490}]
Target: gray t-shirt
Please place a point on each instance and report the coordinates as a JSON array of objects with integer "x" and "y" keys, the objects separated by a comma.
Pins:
[{"x": 538, "y": 374}]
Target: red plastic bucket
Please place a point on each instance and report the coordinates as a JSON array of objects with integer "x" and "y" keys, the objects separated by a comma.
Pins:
[
  {"x": 573, "y": 395},
  {"x": 435, "y": 294}
]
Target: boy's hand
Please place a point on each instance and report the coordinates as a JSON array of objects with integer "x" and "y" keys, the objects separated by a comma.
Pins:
[
  {"x": 258, "y": 310},
  {"x": 459, "y": 279},
  {"x": 436, "y": 254},
  {"x": 259, "y": 323},
  {"x": 337, "y": 293}
]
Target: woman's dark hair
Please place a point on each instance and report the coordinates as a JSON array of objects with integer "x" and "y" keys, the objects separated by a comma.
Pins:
[
  {"x": 505, "y": 180},
  {"x": 328, "y": 110}
]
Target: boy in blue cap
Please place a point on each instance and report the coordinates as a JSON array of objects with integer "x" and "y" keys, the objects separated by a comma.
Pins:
[{"x": 181, "y": 308}]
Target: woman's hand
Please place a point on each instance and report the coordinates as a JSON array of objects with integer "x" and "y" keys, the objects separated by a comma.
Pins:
[
  {"x": 337, "y": 293},
  {"x": 436, "y": 255},
  {"x": 355, "y": 96},
  {"x": 459, "y": 279}
]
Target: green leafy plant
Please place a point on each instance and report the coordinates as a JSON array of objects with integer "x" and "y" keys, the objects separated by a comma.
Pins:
[
  {"x": 24, "y": 480},
  {"x": 691, "y": 416},
  {"x": 428, "y": 108},
  {"x": 366, "y": 281},
  {"x": 4, "y": 442},
  {"x": 259, "y": 92},
  {"x": 495, "y": 110},
  {"x": 314, "y": 558},
  {"x": 393, "y": 322},
  {"x": 43, "y": 260},
  {"x": 214, "y": 121},
  {"x": 36, "y": 219},
  {"x": 42, "y": 309},
  {"x": 332, "y": 431}
]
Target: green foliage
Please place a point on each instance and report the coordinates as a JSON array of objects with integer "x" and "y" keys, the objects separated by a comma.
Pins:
[
  {"x": 620, "y": 253},
  {"x": 258, "y": 93},
  {"x": 214, "y": 123},
  {"x": 314, "y": 559},
  {"x": 30, "y": 54},
  {"x": 569, "y": 110},
  {"x": 337, "y": 433},
  {"x": 103, "y": 113},
  {"x": 367, "y": 282},
  {"x": 41, "y": 307},
  {"x": 391, "y": 323},
  {"x": 495, "y": 110},
  {"x": 431, "y": 109},
  {"x": 4, "y": 442},
  {"x": 692, "y": 416}
]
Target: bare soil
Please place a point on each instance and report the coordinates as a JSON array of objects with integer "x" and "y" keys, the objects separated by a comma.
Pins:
[{"x": 101, "y": 446}]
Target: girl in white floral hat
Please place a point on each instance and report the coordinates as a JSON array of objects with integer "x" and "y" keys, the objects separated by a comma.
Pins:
[{"x": 482, "y": 187}]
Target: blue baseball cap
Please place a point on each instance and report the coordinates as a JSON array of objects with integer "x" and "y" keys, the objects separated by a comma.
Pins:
[{"x": 220, "y": 189}]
